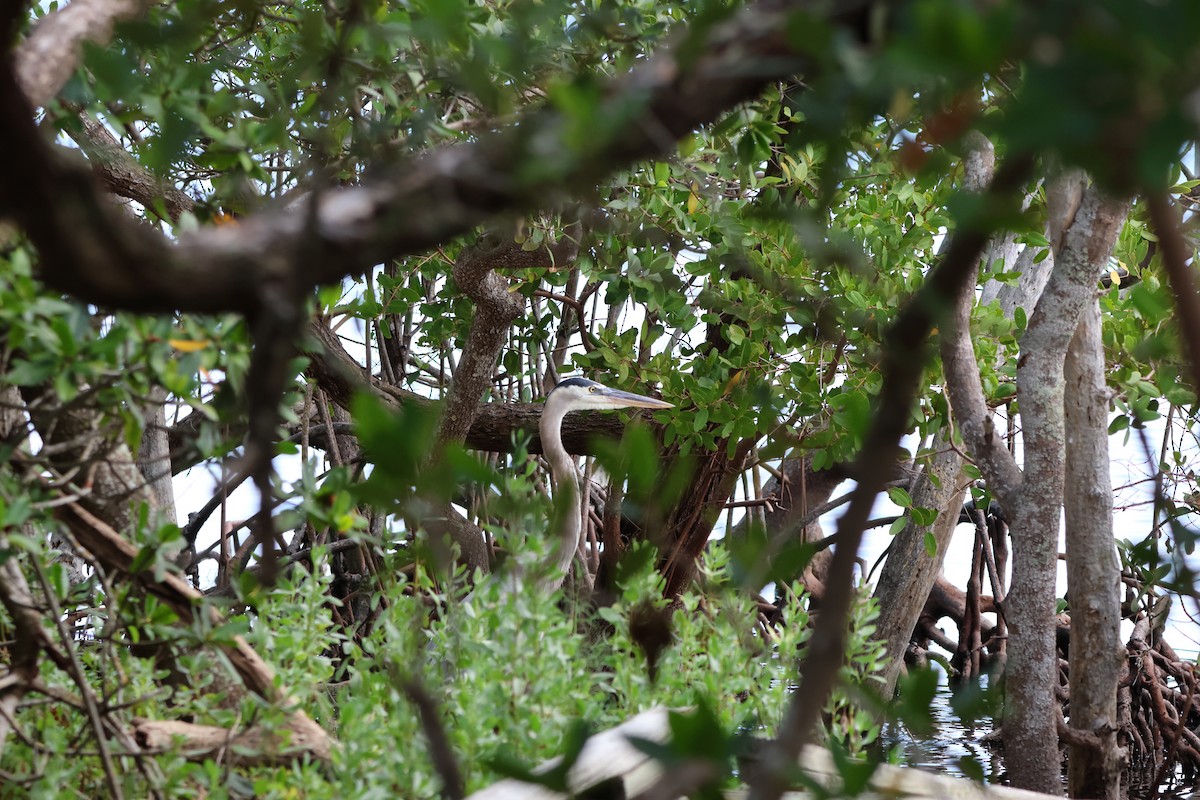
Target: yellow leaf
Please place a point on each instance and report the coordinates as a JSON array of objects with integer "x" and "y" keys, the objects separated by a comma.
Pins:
[
  {"x": 785, "y": 162},
  {"x": 694, "y": 198},
  {"x": 733, "y": 382},
  {"x": 1115, "y": 276},
  {"x": 188, "y": 345}
]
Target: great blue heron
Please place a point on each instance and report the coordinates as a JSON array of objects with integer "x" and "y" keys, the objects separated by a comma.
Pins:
[{"x": 576, "y": 394}]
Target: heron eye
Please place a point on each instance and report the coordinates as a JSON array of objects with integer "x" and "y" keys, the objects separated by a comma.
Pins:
[{"x": 592, "y": 389}]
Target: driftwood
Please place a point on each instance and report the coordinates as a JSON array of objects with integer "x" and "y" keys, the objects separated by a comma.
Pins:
[
  {"x": 610, "y": 761},
  {"x": 254, "y": 746},
  {"x": 605, "y": 757},
  {"x": 892, "y": 781}
]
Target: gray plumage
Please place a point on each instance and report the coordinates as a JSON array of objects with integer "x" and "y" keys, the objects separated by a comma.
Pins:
[{"x": 576, "y": 394}]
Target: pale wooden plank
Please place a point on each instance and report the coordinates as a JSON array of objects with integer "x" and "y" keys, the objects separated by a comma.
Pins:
[{"x": 609, "y": 755}]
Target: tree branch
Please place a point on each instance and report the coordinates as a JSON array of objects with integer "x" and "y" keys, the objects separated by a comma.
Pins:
[
  {"x": 120, "y": 173},
  {"x": 964, "y": 385},
  {"x": 496, "y": 307},
  {"x": 88, "y": 250},
  {"x": 339, "y": 375},
  {"x": 116, "y": 554},
  {"x": 52, "y": 51},
  {"x": 1175, "y": 254}
]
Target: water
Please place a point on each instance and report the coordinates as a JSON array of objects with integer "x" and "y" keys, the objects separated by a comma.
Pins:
[
  {"x": 950, "y": 746},
  {"x": 956, "y": 748}
]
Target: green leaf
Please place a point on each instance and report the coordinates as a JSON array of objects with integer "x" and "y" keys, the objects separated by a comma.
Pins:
[
  {"x": 900, "y": 496},
  {"x": 56, "y": 575},
  {"x": 971, "y": 768},
  {"x": 143, "y": 559},
  {"x": 33, "y": 371},
  {"x": 923, "y": 516}
]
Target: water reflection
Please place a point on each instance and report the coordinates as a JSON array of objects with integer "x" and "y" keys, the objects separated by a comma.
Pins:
[
  {"x": 952, "y": 747},
  {"x": 959, "y": 749}
]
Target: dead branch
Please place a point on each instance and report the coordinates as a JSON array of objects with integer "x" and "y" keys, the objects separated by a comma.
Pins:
[
  {"x": 116, "y": 554},
  {"x": 254, "y": 746}
]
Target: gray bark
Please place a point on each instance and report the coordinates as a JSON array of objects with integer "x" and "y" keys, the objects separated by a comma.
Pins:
[
  {"x": 1087, "y": 229},
  {"x": 909, "y": 573},
  {"x": 49, "y": 55},
  {"x": 1093, "y": 572},
  {"x": 1003, "y": 248},
  {"x": 154, "y": 457},
  {"x": 1028, "y": 288},
  {"x": 496, "y": 307},
  {"x": 87, "y": 449},
  {"x": 1087, "y": 237}
]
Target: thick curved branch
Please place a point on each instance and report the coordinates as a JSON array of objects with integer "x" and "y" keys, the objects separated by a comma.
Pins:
[
  {"x": 50, "y": 54},
  {"x": 496, "y": 307},
  {"x": 964, "y": 386},
  {"x": 88, "y": 250},
  {"x": 339, "y": 375},
  {"x": 120, "y": 173}
]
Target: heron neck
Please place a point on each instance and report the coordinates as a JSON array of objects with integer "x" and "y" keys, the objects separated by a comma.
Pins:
[{"x": 566, "y": 486}]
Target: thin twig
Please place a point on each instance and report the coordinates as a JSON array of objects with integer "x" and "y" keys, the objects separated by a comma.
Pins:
[
  {"x": 904, "y": 360},
  {"x": 1175, "y": 254},
  {"x": 85, "y": 689},
  {"x": 439, "y": 744}
]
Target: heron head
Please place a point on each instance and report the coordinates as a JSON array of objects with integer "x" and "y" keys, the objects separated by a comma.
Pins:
[{"x": 578, "y": 394}]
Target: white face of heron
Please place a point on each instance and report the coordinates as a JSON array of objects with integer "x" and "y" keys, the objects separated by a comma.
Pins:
[{"x": 577, "y": 394}]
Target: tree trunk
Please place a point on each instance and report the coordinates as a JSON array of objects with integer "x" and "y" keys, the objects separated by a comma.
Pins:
[
  {"x": 691, "y": 517},
  {"x": 1083, "y": 229},
  {"x": 1093, "y": 573},
  {"x": 909, "y": 574},
  {"x": 154, "y": 460},
  {"x": 1031, "y": 672},
  {"x": 1089, "y": 224}
]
